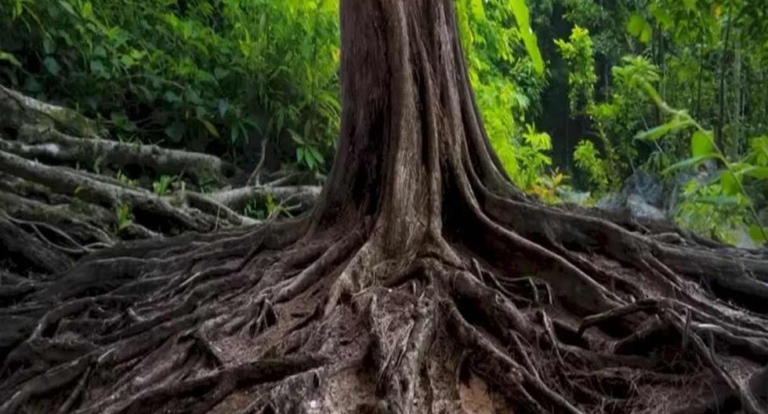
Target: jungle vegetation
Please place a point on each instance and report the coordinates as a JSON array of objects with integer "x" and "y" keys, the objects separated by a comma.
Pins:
[
  {"x": 383, "y": 206},
  {"x": 607, "y": 88}
]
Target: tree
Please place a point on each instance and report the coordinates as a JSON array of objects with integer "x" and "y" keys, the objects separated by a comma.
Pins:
[{"x": 421, "y": 269}]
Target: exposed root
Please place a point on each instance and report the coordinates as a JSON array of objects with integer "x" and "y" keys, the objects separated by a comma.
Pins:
[
  {"x": 422, "y": 282},
  {"x": 169, "y": 329},
  {"x": 61, "y": 212}
]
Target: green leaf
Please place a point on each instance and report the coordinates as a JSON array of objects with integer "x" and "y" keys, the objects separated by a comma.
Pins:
[
  {"x": 635, "y": 25},
  {"x": 211, "y": 129},
  {"x": 17, "y": 9},
  {"x": 720, "y": 201},
  {"x": 52, "y": 65},
  {"x": 137, "y": 54},
  {"x": 757, "y": 233},
  {"x": 662, "y": 16},
  {"x": 522, "y": 16},
  {"x": 176, "y": 131},
  {"x": 760, "y": 173},
  {"x": 171, "y": 96},
  {"x": 193, "y": 96},
  {"x": 478, "y": 10},
  {"x": 97, "y": 66},
  {"x": 220, "y": 73},
  {"x": 729, "y": 183},
  {"x": 87, "y": 10},
  {"x": 673, "y": 125},
  {"x": 49, "y": 46},
  {"x": 296, "y": 137},
  {"x": 68, "y": 7},
  {"x": 309, "y": 160},
  {"x": 532, "y": 46},
  {"x": 690, "y": 162},
  {"x": 646, "y": 34},
  {"x": 127, "y": 60},
  {"x": 316, "y": 155},
  {"x": 638, "y": 27},
  {"x": 702, "y": 144},
  {"x": 7, "y": 57}
]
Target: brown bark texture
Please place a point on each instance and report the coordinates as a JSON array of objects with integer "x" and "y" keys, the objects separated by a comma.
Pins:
[
  {"x": 62, "y": 182},
  {"x": 422, "y": 281}
]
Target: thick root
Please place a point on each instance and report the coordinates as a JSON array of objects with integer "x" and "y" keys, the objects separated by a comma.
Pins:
[{"x": 423, "y": 339}]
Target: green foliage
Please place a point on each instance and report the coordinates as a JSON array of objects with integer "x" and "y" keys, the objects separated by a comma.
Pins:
[
  {"x": 268, "y": 209},
  {"x": 508, "y": 75},
  {"x": 253, "y": 211},
  {"x": 617, "y": 119},
  {"x": 10, "y": 58},
  {"x": 639, "y": 28},
  {"x": 547, "y": 186},
  {"x": 522, "y": 15},
  {"x": 705, "y": 210},
  {"x": 689, "y": 54},
  {"x": 123, "y": 178},
  {"x": 533, "y": 160},
  {"x": 588, "y": 159},
  {"x": 212, "y": 73},
  {"x": 307, "y": 154},
  {"x": 719, "y": 202},
  {"x": 577, "y": 51},
  {"x": 123, "y": 216},
  {"x": 162, "y": 186}
]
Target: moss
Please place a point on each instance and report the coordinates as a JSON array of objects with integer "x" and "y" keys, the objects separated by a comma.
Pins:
[{"x": 74, "y": 122}]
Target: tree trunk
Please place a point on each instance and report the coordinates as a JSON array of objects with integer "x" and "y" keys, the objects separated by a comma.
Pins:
[
  {"x": 720, "y": 124},
  {"x": 423, "y": 281}
]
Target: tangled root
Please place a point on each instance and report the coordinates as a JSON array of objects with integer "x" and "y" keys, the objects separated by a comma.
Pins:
[{"x": 271, "y": 319}]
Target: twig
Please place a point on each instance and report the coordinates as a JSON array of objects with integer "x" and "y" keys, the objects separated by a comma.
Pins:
[{"x": 255, "y": 178}]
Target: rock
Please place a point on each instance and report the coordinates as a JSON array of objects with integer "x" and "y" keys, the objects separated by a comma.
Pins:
[
  {"x": 646, "y": 186},
  {"x": 741, "y": 238},
  {"x": 638, "y": 207},
  {"x": 611, "y": 202},
  {"x": 571, "y": 196},
  {"x": 643, "y": 197}
]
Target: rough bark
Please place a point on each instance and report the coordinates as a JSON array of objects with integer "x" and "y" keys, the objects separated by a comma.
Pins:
[
  {"x": 301, "y": 197},
  {"x": 59, "y": 135},
  {"x": 422, "y": 282},
  {"x": 49, "y": 144},
  {"x": 98, "y": 192},
  {"x": 53, "y": 214},
  {"x": 18, "y": 110}
]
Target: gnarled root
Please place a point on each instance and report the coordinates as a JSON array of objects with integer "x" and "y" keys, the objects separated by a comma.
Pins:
[
  {"x": 186, "y": 333},
  {"x": 423, "y": 282}
]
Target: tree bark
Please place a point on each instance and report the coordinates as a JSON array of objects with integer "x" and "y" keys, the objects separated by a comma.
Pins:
[
  {"x": 422, "y": 281},
  {"x": 57, "y": 214},
  {"x": 51, "y": 145}
]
